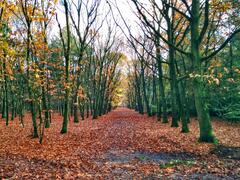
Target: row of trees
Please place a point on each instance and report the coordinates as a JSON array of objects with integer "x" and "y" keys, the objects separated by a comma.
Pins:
[
  {"x": 75, "y": 72},
  {"x": 183, "y": 53},
  {"x": 184, "y": 61}
]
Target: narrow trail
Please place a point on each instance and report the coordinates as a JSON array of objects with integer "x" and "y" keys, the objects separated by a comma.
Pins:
[
  {"x": 120, "y": 145},
  {"x": 121, "y": 127}
]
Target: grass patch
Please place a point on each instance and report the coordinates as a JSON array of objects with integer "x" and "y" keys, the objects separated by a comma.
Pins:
[
  {"x": 142, "y": 158},
  {"x": 177, "y": 162}
]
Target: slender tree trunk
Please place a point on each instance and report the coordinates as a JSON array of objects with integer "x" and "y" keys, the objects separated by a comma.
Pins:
[
  {"x": 172, "y": 71},
  {"x": 144, "y": 89},
  {"x": 183, "y": 108},
  {"x": 75, "y": 111},
  {"x": 3, "y": 106},
  {"x": 6, "y": 100},
  {"x": 154, "y": 95},
  {"x": 67, "y": 72},
  {"x": 41, "y": 125},
  {"x": 161, "y": 86},
  {"x": 34, "y": 119},
  {"x": 139, "y": 97},
  {"x": 45, "y": 107}
]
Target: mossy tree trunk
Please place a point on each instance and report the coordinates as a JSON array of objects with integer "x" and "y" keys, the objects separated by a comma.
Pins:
[{"x": 206, "y": 131}]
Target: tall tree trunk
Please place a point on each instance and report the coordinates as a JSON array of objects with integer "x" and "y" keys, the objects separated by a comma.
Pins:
[
  {"x": 138, "y": 96},
  {"x": 67, "y": 72},
  {"x": 206, "y": 131},
  {"x": 154, "y": 95},
  {"x": 30, "y": 93},
  {"x": 172, "y": 71},
  {"x": 144, "y": 89},
  {"x": 161, "y": 86},
  {"x": 183, "y": 108},
  {"x": 6, "y": 99}
]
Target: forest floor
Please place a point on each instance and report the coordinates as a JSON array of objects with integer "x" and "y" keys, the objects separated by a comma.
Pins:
[{"x": 120, "y": 145}]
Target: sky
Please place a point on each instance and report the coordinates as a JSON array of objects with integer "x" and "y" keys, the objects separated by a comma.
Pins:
[{"x": 124, "y": 6}]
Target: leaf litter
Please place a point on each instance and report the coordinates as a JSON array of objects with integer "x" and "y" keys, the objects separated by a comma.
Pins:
[{"x": 120, "y": 145}]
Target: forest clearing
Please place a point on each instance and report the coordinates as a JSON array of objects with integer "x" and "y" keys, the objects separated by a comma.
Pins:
[{"x": 119, "y": 89}]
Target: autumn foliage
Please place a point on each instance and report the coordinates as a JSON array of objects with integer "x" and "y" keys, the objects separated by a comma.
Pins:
[{"x": 66, "y": 68}]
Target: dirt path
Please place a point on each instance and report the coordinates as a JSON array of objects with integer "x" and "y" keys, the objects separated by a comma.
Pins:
[{"x": 120, "y": 145}]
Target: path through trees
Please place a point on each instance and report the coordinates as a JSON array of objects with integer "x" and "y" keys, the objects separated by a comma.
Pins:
[
  {"x": 121, "y": 144},
  {"x": 65, "y": 65}
]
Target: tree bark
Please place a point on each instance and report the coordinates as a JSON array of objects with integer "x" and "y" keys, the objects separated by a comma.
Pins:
[{"x": 206, "y": 131}]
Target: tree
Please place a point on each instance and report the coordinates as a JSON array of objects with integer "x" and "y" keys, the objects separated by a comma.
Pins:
[
  {"x": 198, "y": 33},
  {"x": 66, "y": 51}
]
